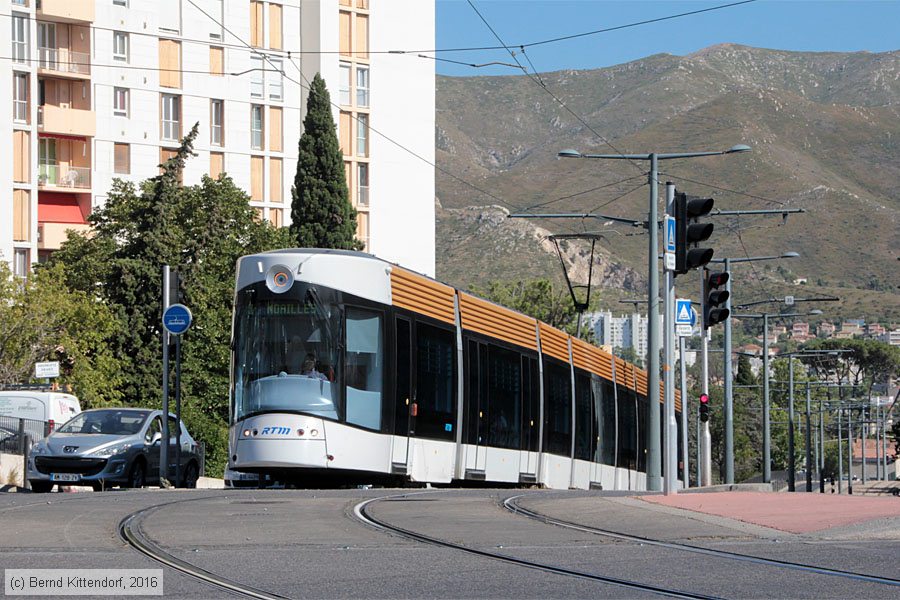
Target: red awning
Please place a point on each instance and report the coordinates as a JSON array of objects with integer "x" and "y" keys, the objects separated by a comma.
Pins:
[
  {"x": 63, "y": 136},
  {"x": 56, "y": 207}
]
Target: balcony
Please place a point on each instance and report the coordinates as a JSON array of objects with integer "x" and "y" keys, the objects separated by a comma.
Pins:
[
  {"x": 66, "y": 121},
  {"x": 53, "y": 176},
  {"x": 52, "y": 235},
  {"x": 62, "y": 62},
  {"x": 67, "y": 11}
]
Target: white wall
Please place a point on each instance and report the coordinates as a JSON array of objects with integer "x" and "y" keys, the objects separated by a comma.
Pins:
[{"x": 402, "y": 102}]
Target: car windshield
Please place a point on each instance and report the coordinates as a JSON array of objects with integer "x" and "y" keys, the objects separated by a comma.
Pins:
[
  {"x": 286, "y": 352},
  {"x": 106, "y": 422}
]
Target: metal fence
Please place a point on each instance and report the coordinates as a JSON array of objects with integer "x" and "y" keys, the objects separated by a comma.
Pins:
[{"x": 15, "y": 433}]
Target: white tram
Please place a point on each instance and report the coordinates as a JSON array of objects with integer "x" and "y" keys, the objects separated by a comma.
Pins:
[{"x": 414, "y": 380}]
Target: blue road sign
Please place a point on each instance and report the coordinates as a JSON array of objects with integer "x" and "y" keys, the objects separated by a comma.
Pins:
[
  {"x": 670, "y": 234},
  {"x": 684, "y": 314},
  {"x": 177, "y": 319}
]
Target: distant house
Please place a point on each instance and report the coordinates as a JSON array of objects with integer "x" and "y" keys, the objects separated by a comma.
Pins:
[{"x": 825, "y": 329}]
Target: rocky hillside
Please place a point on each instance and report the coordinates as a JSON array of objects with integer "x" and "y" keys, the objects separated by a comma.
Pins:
[{"x": 825, "y": 132}]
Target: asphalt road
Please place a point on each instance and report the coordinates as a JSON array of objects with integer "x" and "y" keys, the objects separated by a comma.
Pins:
[{"x": 308, "y": 544}]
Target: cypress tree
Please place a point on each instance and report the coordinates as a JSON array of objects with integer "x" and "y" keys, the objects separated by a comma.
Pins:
[{"x": 321, "y": 213}]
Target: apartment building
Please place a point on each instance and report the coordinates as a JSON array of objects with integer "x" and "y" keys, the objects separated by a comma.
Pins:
[{"x": 104, "y": 89}]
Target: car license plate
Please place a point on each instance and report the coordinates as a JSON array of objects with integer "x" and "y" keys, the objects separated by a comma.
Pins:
[{"x": 65, "y": 477}]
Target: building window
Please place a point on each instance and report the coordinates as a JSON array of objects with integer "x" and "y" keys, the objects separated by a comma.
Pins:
[
  {"x": 257, "y": 179},
  {"x": 275, "y": 11},
  {"x": 122, "y": 158},
  {"x": 47, "y": 53},
  {"x": 20, "y": 98},
  {"x": 216, "y": 164},
  {"x": 257, "y": 22},
  {"x": 345, "y": 84},
  {"x": 216, "y": 60},
  {"x": 275, "y": 128},
  {"x": 21, "y": 263},
  {"x": 256, "y": 127},
  {"x": 216, "y": 118},
  {"x": 171, "y": 117},
  {"x": 362, "y": 135},
  {"x": 121, "y": 98},
  {"x": 20, "y": 38},
  {"x": 170, "y": 63},
  {"x": 362, "y": 184},
  {"x": 120, "y": 46},
  {"x": 276, "y": 81},
  {"x": 257, "y": 77},
  {"x": 362, "y": 86}
]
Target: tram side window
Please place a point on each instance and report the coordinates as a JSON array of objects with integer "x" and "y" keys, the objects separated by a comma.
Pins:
[
  {"x": 558, "y": 410},
  {"x": 435, "y": 382},
  {"x": 584, "y": 429},
  {"x": 364, "y": 368},
  {"x": 604, "y": 395},
  {"x": 504, "y": 381},
  {"x": 628, "y": 425},
  {"x": 530, "y": 404}
]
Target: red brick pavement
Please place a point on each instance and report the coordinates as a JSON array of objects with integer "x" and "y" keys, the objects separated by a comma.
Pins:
[{"x": 796, "y": 513}]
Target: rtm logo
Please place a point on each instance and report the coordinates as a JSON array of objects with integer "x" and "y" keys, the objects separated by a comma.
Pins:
[{"x": 275, "y": 431}]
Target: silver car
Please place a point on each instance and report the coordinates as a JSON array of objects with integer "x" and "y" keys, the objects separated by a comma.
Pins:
[{"x": 111, "y": 446}]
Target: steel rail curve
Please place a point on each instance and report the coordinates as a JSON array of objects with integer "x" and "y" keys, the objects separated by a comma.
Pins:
[
  {"x": 361, "y": 512},
  {"x": 130, "y": 531},
  {"x": 513, "y": 506}
]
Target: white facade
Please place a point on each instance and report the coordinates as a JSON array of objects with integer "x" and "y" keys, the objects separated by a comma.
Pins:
[
  {"x": 626, "y": 331},
  {"x": 170, "y": 58}
]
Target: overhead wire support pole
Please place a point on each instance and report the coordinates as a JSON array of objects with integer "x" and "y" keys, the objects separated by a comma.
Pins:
[
  {"x": 671, "y": 428},
  {"x": 765, "y": 211},
  {"x": 685, "y": 415}
]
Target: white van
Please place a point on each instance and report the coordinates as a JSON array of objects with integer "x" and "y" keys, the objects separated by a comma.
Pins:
[{"x": 52, "y": 408}]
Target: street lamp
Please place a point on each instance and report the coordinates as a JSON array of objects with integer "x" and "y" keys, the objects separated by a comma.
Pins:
[
  {"x": 729, "y": 391},
  {"x": 767, "y": 441},
  {"x": 654, "y": 463}
]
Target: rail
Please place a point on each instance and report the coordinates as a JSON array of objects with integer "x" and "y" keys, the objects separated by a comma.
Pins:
[
  {"x": 63, "y": 176},
  {"x": 64, "y": 60}
]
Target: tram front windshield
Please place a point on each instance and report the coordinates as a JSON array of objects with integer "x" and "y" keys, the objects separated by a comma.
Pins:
[{"x": 286, "y": 352}]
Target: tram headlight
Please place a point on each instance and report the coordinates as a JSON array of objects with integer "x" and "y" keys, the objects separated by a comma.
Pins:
[{"x": 279, "y": 279}]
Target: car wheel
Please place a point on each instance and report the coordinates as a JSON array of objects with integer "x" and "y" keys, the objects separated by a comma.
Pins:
[
  {"x": 191, "y": 474},
  {"x": 41, "y": 487},
  {"x": 136, "y": 475},
  {"x": 98, "y": 486}
]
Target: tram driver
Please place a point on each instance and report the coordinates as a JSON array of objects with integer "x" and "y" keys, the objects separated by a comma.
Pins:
[{"x": 308, "y": 368}]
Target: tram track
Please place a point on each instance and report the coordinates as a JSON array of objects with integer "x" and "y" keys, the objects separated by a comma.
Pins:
[
  {"x": 131, "y": 532},
  {"x": 513, "y": 506},
  {"x": 362, "y": 513}
]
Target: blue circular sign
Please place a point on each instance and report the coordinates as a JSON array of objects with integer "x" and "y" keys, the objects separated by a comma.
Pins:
[{"x": 177, "y": 319}]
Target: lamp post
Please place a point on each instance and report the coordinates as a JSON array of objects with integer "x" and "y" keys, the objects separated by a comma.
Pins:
[
  {"x": 767, "y": 441},
  {"x": 729, "y": 390},
  {"x": 654, "y": 463}
]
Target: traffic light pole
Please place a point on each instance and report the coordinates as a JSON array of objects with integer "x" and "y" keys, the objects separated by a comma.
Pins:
[
  {"x": 703, "y": 438},
  {"x": 729, "y": 391},
  {"x": 670, "y": 481},
  {"x": 767, "y": 441},
  {"x": 792, "y": 467},
  {"x": 685, "y": 415}
]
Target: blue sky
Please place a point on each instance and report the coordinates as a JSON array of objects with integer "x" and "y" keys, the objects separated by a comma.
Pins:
[{"x": 809, "y": 25}]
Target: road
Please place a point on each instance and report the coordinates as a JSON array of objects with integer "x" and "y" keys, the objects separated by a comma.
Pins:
[{"x": 310, "y": 544}]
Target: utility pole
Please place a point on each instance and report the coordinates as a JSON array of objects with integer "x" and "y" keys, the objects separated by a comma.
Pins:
[
  {"x": 685, "y": 415},
  {"x": 792, "y": 466},
  {"x": 840, "y": 450},
  {"x": 850, "y": 451},
  {"x": 767, "y": 440},
  {"x": 671, "y": 427},
  {"x": 822, "y": 448},
  {"x": 703, "y": 437},
  {"x": 809, "y": 463}
]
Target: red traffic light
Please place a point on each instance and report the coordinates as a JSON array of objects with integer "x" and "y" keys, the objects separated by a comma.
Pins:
[
  {"x": 717, "y": 279},
  {"x": 704, "y": 399}
]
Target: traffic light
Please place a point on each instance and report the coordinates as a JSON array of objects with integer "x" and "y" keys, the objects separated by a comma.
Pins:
[
  {"x": 714, "y": 311},
  {"x": 704, "y": 408},
  {"x": 689, "y": 232}
]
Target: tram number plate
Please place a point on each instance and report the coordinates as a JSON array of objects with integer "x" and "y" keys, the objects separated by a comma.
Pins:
[{"x": 65, "y": 476}]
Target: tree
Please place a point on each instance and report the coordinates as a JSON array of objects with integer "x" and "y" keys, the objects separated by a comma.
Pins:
[
  {"x": 321, "y": 214},
  {"x": 41, "y": 320},
  {"x": 201, "y": 231},
  {"x": 535, "y": 298}
]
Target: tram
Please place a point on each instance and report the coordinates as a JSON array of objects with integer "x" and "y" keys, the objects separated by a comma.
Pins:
[{"x": 346, "y": 368}]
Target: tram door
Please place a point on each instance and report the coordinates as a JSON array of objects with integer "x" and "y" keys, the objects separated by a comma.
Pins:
[
  {"x": 477, "y": 417},
  {"x": 405, "y": 400}
]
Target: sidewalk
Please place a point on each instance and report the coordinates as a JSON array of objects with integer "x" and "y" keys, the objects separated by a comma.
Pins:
[{"x": 795, "y": 513}]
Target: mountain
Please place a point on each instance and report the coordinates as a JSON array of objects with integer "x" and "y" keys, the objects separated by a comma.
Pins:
[{"x": 825, "y": 133}]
